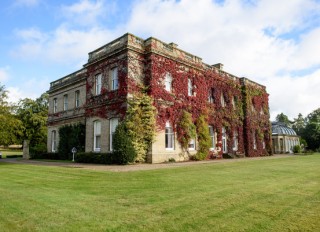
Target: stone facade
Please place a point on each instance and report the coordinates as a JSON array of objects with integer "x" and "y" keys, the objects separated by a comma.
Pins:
[{"x": 97, "y": 97}]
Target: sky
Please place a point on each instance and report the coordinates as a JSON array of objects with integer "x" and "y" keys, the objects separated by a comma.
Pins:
[{"x": 275, "y": 43}]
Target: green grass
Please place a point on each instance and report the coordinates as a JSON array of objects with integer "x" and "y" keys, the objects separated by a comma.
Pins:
[
  {"x": 253, "y": 195},
  {"x": 10, "y": 152}
]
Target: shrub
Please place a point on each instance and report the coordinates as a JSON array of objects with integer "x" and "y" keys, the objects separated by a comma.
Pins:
[
  {"x": 296, "y": 149},
  {"x": 186, "y": 130},
  {"x": 203, "y": 138},
  {"x": 123, "y": 150},
  {"x": 94, "y": 158},
  {"x": 38, "y": 149},
  {"x": 46, "y": 155}
]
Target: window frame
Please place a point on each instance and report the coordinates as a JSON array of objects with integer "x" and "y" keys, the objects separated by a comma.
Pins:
[
  {"x": 169, "y": 137},
  {"x": 65, "y": 102},
  {"x": 212, "y": 138},
  {"x": 114, "y": 78},
  {"x": 190, "y": 87},
  {"x": 224, "y": 140},
  {"x": 53, "y": 141},
  {"x": 168, "y": 82},
  {"x": 55, "y": 105},
  {"x": 77, "y": 98},
  {"x": 235, "y": 141},
  {"x": 98, "y": 84},
  {"x": 112, "y": 130},
  {"x": 97, "y": 134}
]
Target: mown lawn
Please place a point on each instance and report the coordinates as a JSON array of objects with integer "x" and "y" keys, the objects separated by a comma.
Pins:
[{"x": 254, "y": 195}]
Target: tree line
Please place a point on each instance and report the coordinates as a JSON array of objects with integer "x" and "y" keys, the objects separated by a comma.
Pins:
[
  {"x": 26, "y": 120},
  {"x": 308, "y": 128}
]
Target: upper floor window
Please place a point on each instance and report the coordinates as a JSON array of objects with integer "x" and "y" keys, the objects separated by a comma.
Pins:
[
  {"x": 77, "y": 98},
  {"x": 168, "y": 82},
  {"x": 234, "y": 102},
  {"x": 169, "y": 137},
  {"x": 96, "y": 136},
  {"x": 212, "y": 138},
  {"x": 190, "y": 87},
  {"x": 55, "y": 105},
  {"x": 65, "y": 102},
  {"x": 223, "y": 101},
  {"x": 211, "y": 96},
  {"x": 98, "y": 84},
  {"x": 113, "y": 126},
  {"x": 114, "y": 79}
]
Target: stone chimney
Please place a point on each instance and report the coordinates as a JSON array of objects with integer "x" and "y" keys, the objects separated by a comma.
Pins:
[
  {"x": 218, "y": 66},
  {"x": 173, "y": 45}
]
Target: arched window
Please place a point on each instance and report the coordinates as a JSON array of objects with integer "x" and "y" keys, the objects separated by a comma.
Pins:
[
  {"x": 53, "y": 141},
  {"x": 169, "y": 137},
  {"x": 168, "y": 82},
  {"x": 96, "y": 136}
]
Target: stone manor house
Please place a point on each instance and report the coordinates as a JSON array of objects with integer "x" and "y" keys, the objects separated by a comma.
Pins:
[{"x": 236, "y": 109}]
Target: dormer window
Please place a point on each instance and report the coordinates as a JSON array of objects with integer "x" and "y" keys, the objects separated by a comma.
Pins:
[{"x": 168, "y": 82}]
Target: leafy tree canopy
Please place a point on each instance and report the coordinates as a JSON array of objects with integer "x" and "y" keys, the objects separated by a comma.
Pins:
[{"x": 284, "y": 119}]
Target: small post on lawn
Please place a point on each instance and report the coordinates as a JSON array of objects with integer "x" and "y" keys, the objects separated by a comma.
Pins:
[{"x": 74, "y": 150}]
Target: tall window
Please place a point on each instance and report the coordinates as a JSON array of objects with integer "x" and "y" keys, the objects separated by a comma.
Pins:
[
  {"x": 77, "y": 98},
  {"x": 223, "y": 101},
  {"x": 114, "y": 79},
  {"x": 211, "y": 96},
  {"x": 169, "y": 137},
  {"x": 98, "y": 83},
  {"x": 65, "y": 102},
  {"x": 190, "y": 87},
  {"x": 53, "y": 141},
  {"x": 55, "y": 105},
  {"x": 113, "y": 125},
  {"x": 168, "y": 82},
  {"x": 234, "y": 102},
  {"x": 235, "y": 140},
  {"x": 212, "y": 138},
  {"x": 254, "y": 140},
  {"x": 96, "y": 136},
  {"x": 224, "y": 140}
]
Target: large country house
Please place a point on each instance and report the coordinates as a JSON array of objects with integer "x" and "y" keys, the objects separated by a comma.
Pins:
[{"x": 237, "y": 108}]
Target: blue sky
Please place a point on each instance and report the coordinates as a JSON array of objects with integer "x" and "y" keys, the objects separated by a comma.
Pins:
[{"x": 275, "y": 43}]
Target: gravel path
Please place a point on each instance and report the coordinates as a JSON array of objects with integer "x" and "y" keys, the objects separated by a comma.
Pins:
[{"x": 136, "y": 167}]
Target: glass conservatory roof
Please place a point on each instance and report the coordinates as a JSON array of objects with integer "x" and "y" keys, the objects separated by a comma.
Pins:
[{"x": 281, "y": 129}]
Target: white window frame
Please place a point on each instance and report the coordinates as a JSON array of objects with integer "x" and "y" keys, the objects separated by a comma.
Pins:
[
  {"x": 223, "y": 101},
  {"x": 98, "y": 83},
  {"x": 53, "y": 141},
  {"x": 224, "y": 140},
  {"x": 212, "y": 138},
  {"x": 97, "y": 136},
  {"x": 65, "y": 102},
  {"x": 192, "y": 145},
  {"x": 77, "y": 98},
  {"x": 233, "y": 102},
  {"x": 55, "y": 105},
  {"x": 254, "y": 141},
  {"x": 114, "y": 122},
  {"x": 190, "y": 87},
  {"x": 114, "y": 79},
  {"x": 168, "y": 82},
  {"x": 235, "y": 140},
  {"x": 169, "y": 137}
]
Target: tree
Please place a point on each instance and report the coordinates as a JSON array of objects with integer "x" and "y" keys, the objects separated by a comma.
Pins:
[
  {"x": 10, "y": 126},
  {"x": 34, "y": 114},
  {"x": 186, "y": 130},
  {"x": 312, "y": 130},
  {"x": 284, "y": 119},
  {"x": 299, "y": 124}
]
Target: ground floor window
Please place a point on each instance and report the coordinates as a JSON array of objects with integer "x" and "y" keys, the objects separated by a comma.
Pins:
[
  {"x": 169, "y": 137},
  {"x": 224, "y": 140},
  {"x": 96, "y": 136},
  {"x": 54, "y": 141},
  {"x": 192, "y": 145},
  {"x": 212, "y": 138},
  {"x": 235, "y": 140},
  {"x": 254, "y": 140},
  {"x": 113, "y": 126}
]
